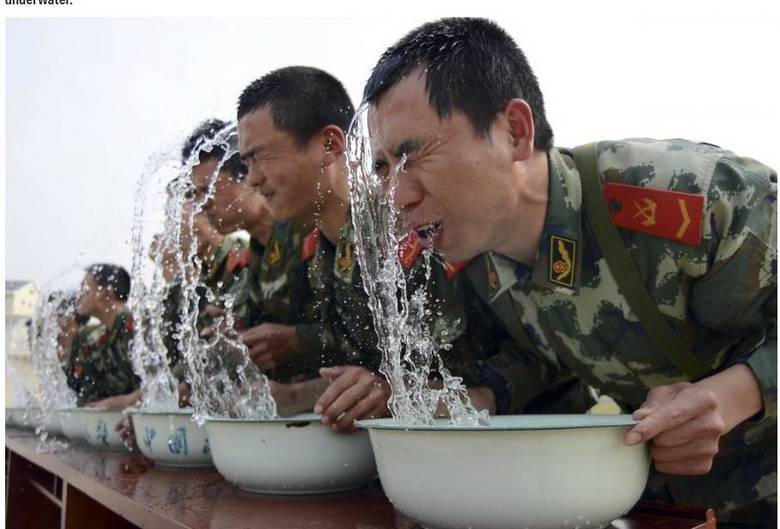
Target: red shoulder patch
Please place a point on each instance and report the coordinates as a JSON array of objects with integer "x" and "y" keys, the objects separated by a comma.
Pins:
[
  {"x": 310, "y": 243},
  {"x": 667, "y": 214},
  {"x": 237, "y": 260},
  {"x": 130, "y": 324},
  {"x": 454, "y": 269},
  {"x": 78, "y": 369},
  {"x": 409, "y": 248}
]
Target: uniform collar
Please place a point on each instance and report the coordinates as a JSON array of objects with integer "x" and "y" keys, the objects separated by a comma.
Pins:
[{"x": 558, "y": 262}]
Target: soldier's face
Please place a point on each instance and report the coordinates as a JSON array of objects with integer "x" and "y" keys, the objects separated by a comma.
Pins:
[
  {"x": 454, "y": 185},
  {"x": 89, "y": 296},
  {"x": 288, "y": 175},
  {"x": 228, "y": 207}
]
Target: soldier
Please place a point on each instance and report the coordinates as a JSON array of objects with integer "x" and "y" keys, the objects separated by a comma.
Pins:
[
  {"x": 70, "y": 323},
  {"x": 672, "y": 314},
  {"x": 308, "y": 179},
  {"x": 234, "y": 205},
  {"x": 102, "y": 373}
]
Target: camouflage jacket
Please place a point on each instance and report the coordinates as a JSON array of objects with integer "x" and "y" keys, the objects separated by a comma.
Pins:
[
  {"x": 231, "y": 274},
  {"x": 286, "y": 298},
  {"x": 169, "y": 326},
  {"x": 720, "y": 296},
  {"x": 471, "y": 341},
  {"x": 100, "y": 364}
]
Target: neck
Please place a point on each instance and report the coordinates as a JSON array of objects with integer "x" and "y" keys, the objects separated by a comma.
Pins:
[
  {"x": 107, "y": 315},
  {"x": 335, "y": 204},
  {"x": 260, "y": 229},
  {"x": 529, "y": 210}
]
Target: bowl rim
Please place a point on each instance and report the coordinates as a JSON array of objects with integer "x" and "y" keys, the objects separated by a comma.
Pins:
[
  {"x": 96, "y": 410},
  {"x": 181, "y": 413},
  {"x": 509, "y": 423},
  {"x": 301, "y": 417}
]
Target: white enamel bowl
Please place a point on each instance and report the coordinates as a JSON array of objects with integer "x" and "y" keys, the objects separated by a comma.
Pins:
[
  {"x": 51, "y": 422},
  {"x": 15, "y": 417},
  {"x": 72, "y": 425},
  {"x": 294, "y": 455},
  {"x": 537, "y": 471},
  {"x": 172, "y": 439},
  {"x": 99, "y": 428}
]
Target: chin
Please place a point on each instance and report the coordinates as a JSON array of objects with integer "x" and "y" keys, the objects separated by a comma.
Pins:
[{"x": 455, "y": 251}]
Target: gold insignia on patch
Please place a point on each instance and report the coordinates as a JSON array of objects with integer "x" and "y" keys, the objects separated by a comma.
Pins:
[
  {"x": 492, "y": 278},
  {"x": 563, "y": 252},
  {"x": 647, "y": 212},
  {"x": 346, "y": 257},
  {"x": 274, "y": 253}
]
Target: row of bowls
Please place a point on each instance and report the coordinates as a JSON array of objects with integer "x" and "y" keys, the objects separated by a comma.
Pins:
[{"x": 540, "y": 471}]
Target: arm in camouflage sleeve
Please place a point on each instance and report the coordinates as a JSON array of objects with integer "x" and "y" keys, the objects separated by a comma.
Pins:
[{"x": 737, "y": 295}]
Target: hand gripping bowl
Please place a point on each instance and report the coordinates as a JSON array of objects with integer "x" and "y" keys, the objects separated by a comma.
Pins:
[
  {"x": 293, "y": 455},
  {"x": 536, "y": 471},
  {"x": 172, "y": 438},
  {"x": 99, "y": 428}
]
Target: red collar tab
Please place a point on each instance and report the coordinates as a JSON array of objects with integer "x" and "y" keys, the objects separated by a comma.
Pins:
[
  {"x": 668, "y": 214},
  {"x": 310, "y": 243},
  {"x": 237, "y": 260},
  {"x": 409, "y": 248},
  {"x": 454, "y": 269}
]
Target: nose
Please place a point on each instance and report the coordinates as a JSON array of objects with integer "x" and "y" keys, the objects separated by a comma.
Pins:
[
  {"x": 408, "y": 193},
  {"x": 256, "y": 175}
]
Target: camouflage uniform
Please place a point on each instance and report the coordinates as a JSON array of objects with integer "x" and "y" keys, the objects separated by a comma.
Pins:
[
  {"x": 286, "y": 298},
  {"x": 171, "y": 318},
  {"x": 472, "y": 345},
  {"x": 100, "y": 365},
  {"x": 719, "y": 296},
  {"x": 231, "y": 274}
]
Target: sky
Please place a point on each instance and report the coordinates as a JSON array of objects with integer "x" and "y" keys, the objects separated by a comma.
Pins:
[{"x": 90, "y": 100}]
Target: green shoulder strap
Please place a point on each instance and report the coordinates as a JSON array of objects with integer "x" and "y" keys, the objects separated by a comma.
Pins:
[{"x": 658, "y": 329}]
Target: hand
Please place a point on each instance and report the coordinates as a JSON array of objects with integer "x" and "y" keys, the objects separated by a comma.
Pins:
[
  {"x": 126, "y": 432},
  {"x": 270, "y": 344},
  {"x": 356, "y": 393},
  {"x": 118, "y": 402},
  {"x": 685, "y": 421},
  {"x": 184, "y": 395},
  {"x": 214, "y": 311}
]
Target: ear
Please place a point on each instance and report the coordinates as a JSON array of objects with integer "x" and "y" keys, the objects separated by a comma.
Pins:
[
  {"x": 334, "y": 144},
  {"x": 520, "y": 119}
]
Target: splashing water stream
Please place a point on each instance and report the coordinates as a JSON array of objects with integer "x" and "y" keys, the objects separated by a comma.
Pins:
[
  {"x": 224, "y": 381},
  {"x": 410, "y": 353}
]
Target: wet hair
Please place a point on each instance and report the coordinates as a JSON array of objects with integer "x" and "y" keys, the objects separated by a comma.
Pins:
[
  {"x": 111, "y": 276},
  {"x": 471, "y": 65},
  {"x": 302, "y": 101},
  {"x": 206, "y": 132},
  {"x": 170, "y": 187}
]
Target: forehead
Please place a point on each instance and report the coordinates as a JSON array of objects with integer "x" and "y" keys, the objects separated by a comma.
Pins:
[
  {"x": 203, "y": 172},
  {"x": 403, "y": 112},
  {"x": 257, "y": 129}
]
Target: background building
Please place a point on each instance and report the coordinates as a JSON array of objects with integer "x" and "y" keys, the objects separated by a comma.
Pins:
[{"x": 20, "y": 299}]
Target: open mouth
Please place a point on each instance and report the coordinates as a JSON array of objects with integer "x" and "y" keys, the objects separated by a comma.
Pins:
[{"x": 428, "y": 233}]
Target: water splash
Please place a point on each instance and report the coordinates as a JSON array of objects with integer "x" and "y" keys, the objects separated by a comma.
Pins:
[
  {"x": 55, "y": 394},
  {"x": 409, "y": 352},
  {"x": 148, "y": 352},
  {"x": 224, "y": 381}
]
